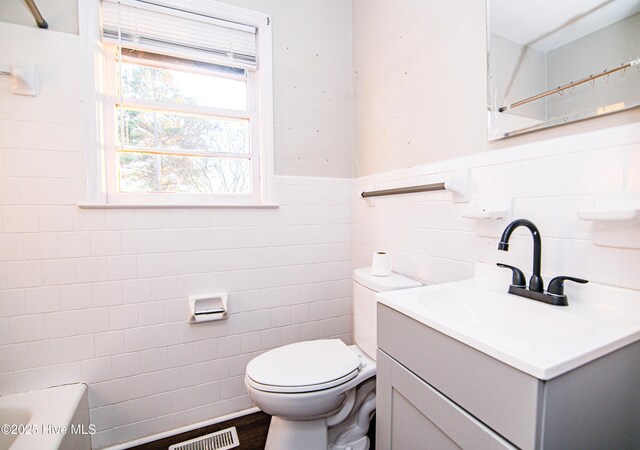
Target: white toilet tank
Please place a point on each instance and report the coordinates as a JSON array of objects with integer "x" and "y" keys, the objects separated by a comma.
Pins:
[{"x": 365, "y": 288}]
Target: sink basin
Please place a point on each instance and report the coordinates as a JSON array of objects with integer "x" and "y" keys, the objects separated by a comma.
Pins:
[
  {"x": 504, "y": 316},
  {"x": 540, "y": 339}
]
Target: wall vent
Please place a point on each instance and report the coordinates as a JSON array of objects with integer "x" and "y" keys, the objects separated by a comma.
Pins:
[{"x": 220, "y": 440}]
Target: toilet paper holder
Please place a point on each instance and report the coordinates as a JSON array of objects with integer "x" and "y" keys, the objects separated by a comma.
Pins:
[{"x": 205, "y": 308}]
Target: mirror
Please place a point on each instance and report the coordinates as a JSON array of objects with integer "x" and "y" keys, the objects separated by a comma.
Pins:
[{"x": 554, "y": 62}]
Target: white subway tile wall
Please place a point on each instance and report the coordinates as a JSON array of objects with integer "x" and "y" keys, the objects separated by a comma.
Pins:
[
  {"x": 100, "y": 296},
  {"x": 548, "y": 183}
]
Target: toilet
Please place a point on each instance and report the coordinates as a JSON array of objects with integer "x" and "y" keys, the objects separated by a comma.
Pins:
[{"x": 321, "y": 394}]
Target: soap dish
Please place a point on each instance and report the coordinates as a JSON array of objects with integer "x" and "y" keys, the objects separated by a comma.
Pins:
[
  {"x": 483, "y": 214},
  {"x": 489, "y": 209},
  {"x": 609, "y": 215},
  {"x": 613, "y": 207}
]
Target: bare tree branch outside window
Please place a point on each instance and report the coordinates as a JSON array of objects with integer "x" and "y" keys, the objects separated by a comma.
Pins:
[{"x": 149, "y": 137}]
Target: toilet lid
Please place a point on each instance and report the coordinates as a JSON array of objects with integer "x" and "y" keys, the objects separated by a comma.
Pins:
[{"x": 303, "y": 367}]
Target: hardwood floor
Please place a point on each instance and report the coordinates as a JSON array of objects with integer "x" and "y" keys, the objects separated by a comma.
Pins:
[{"x": 252, "y": 433}]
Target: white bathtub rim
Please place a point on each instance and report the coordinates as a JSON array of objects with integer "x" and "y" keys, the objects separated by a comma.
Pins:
[{"x": 55, "y": 405}]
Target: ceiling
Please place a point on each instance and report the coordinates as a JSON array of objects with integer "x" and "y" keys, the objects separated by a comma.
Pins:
[{"x": 563, "y": 20}]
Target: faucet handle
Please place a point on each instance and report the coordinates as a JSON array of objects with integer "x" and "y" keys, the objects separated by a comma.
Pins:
[
  {"x": 517, "y": 277},
  {"x": 556, "y": 286}
]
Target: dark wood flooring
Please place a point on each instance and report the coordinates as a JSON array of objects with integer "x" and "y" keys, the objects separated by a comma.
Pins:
[{"x": 252, "y": 433}]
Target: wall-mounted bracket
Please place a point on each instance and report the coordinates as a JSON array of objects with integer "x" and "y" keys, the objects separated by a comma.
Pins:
[
  {"x": 616, "y": 219},
  {"x": 23, "y": 79},
  {"x": 458, "y": 185}
]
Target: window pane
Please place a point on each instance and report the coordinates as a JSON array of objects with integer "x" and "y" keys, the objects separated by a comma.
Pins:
[
  {"x": 175, "y": 86},
  {"x": 158, "y": 130},
  {"x": 144, "y": 172}
]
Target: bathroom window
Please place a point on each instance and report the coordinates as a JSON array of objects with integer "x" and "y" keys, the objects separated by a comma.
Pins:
[{"x": 187, "y": 104}]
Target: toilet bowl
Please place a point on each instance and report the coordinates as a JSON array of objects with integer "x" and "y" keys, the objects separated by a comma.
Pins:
[{"x": 321, "y": 394}]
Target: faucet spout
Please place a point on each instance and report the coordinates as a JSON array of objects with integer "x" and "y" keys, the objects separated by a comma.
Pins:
[{"x": 536, "y": 283}]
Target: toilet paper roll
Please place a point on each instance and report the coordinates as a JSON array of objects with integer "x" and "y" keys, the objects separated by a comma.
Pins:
[{"x": 381, "y": 264}]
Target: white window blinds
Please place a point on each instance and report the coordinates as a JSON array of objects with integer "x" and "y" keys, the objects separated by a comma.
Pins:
[{"x": 151, "y": 27}]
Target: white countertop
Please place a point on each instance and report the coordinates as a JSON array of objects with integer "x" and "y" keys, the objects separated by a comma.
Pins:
[{"x": 541, "y": 340}]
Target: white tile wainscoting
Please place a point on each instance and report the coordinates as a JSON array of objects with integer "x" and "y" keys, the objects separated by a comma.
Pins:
[
  {"x": 548, "y": 183},
  {"x": 100, "y": 296}
]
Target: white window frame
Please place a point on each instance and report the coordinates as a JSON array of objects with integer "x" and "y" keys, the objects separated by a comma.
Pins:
[{"x": 101, "y": 155}]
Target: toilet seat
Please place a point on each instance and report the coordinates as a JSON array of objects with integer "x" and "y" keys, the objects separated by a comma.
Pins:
[
  {"x": 303, "y": 367},
  {"x": 301, "y": 389}
]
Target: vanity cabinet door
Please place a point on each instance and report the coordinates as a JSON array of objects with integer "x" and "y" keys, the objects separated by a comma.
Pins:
[
  {"x": 413, "y": 415},
  {"x": 505, "y": 399}
]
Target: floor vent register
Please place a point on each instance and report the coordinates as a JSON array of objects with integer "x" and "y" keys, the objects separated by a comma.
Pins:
[{"x": 220, "y": 440}]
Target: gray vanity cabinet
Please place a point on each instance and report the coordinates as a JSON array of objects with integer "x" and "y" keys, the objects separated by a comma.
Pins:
[
  {"x": 413, "y": 413},
  {"x": 436, "y": 392}
]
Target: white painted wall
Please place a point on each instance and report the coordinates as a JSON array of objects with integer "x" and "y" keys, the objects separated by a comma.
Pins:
[
  {"x": 418, "y": 82},
  {"x": 100, "y": 296},
  {"x": 313, "y": 97},
  {"x": 420, "y": 90}
]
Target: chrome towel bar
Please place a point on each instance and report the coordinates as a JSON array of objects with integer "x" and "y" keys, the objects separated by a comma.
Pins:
[{"x": 405, "y": 190}]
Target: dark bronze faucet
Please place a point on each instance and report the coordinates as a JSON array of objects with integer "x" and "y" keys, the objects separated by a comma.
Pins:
[
  {"x": 555, "y": 294},
  {"x": 535, "y": 282}
]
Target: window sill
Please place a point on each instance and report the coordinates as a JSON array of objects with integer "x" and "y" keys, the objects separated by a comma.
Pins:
[{"x": 158, "y": 206}]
